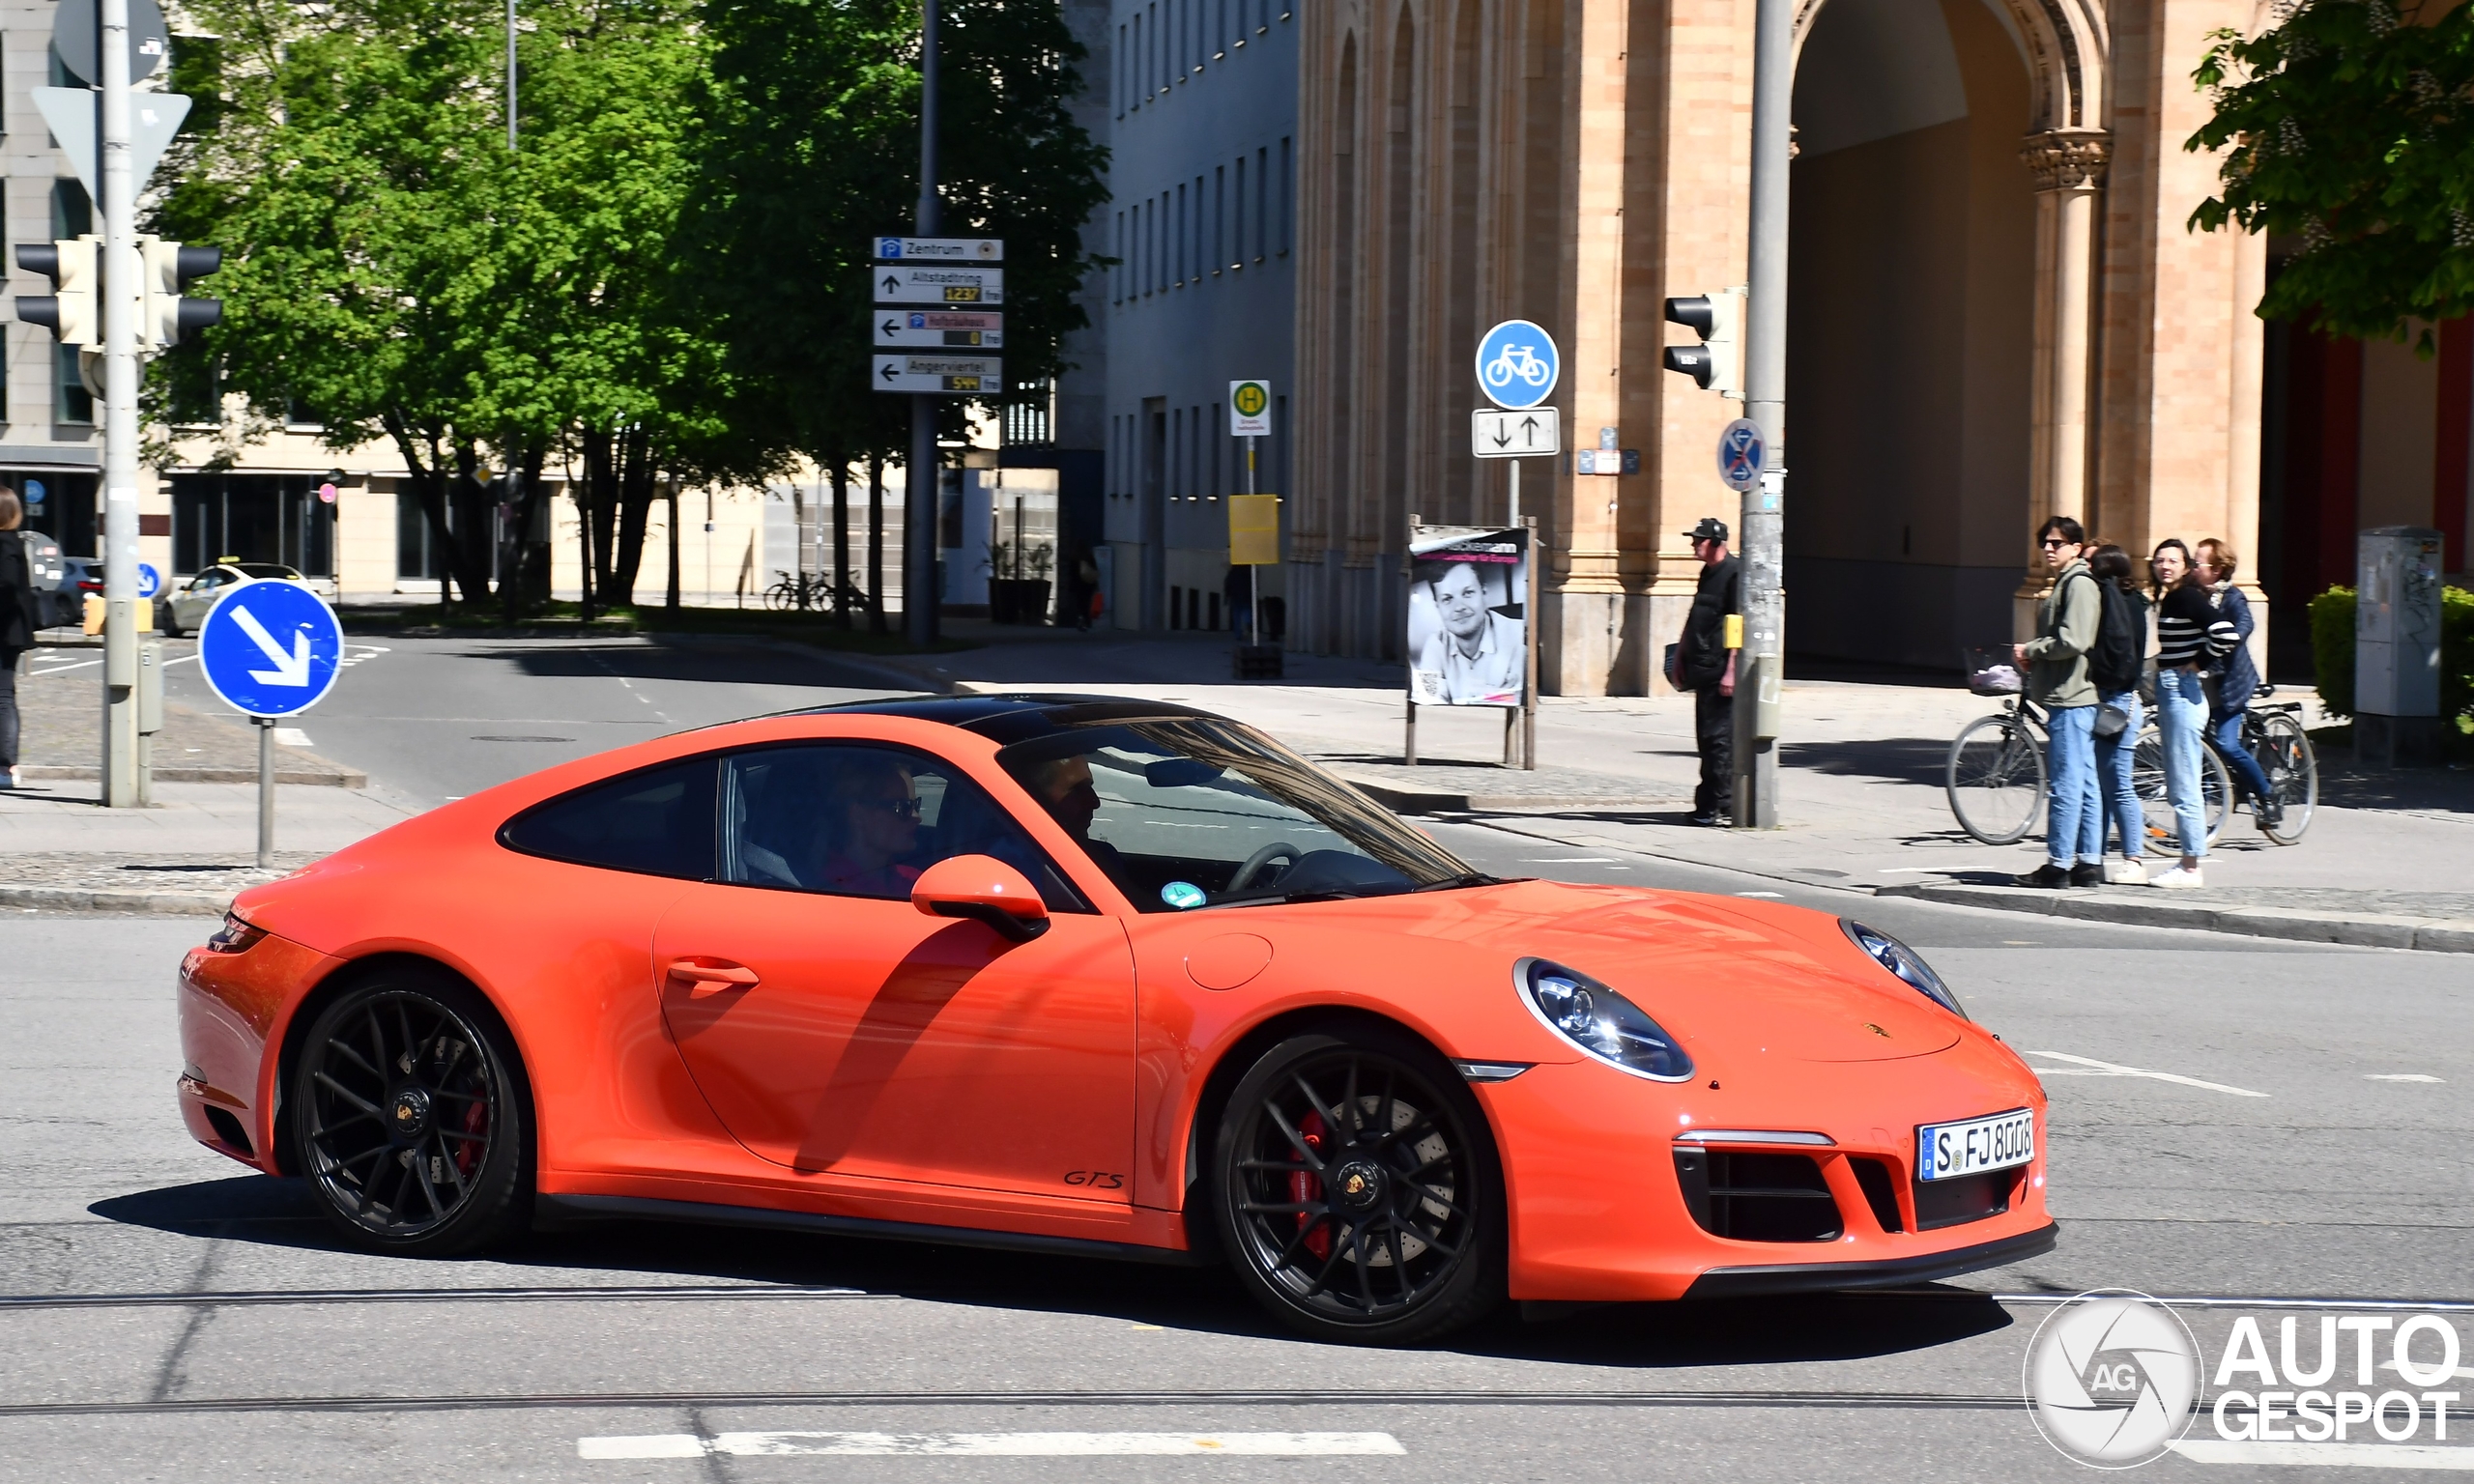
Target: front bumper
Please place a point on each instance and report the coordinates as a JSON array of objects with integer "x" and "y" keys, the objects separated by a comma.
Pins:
[{"x": 1879, "y": 1272}]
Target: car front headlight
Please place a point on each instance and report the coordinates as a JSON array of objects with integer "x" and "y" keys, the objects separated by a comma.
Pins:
[
  {"x": 1904, "y": 962},
  {"x": 1600, "y": 1021}
]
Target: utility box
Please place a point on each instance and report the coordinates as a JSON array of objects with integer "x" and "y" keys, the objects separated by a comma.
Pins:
[{"x": 2397, "y": 721}]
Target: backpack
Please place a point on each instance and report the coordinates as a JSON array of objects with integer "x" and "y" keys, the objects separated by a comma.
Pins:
[{"x": 2113, "y": 660}]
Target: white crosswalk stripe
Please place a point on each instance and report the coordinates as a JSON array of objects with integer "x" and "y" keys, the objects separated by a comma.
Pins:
[{"x": 991, "y": 1444}]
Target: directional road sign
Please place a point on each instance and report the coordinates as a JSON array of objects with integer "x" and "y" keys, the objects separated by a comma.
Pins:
[
  {"x": 906, "y": 285},
  {"x": 154, "y": 118},
  {"x": 1494, "y": 434},
  {"x": 940, "y": 249},
  {"x": 965, "y": 328},
  {"x": 1250, "y": 409},
  {"x": 271, "y": 647},
  {"x": 977, "y": 375},
  {"x": 1740, "y": 451},
  {"x": 78, "y": 40},
  {"x": 1517, "y": 364},
  {"x": 149, "y": 580}
]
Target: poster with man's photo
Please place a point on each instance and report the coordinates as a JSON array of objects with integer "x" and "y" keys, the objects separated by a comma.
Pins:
[{"x": 1468, "y": 615}]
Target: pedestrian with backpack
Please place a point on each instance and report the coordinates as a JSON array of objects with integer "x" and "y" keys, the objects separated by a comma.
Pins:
[
  {"x": 2056, "y": 661},
  {"x": 2114, "y": 667}
]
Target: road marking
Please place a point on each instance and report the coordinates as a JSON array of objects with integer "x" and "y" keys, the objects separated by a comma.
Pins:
[
  {"x": 2396, "y": 1077},
  {"x": 2090, "y": 1066},
  {"x": 2465, "y": 1372},
  {"x": 62, "y": 670},
  {"x": 2326, "y": 1455},
  {"x": 290, "y": 736},
  {"x": 1777, "y": 895},
  {"x": 991, "y": 1444},
  {"x": 1566, "y": 860}
]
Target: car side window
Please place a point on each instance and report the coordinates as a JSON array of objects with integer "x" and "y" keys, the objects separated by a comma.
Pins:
[
  {"x": 854, "y": 820},
  {"x": 657, "y": 822}
]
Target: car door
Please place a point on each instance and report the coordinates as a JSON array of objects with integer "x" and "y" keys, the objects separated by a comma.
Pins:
[
  {"x": 190, "y": 603},
  {"x": 834, "y": 1027}
]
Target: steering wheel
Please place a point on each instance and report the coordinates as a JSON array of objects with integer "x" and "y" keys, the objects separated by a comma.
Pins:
[{"x": 1277, "y": 850}]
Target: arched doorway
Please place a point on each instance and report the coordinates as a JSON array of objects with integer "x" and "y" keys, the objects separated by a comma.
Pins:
[{"x": 1911, "y": 331}]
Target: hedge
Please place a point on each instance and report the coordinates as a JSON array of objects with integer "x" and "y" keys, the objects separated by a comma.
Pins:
[{"x": 2332, "y": 651}]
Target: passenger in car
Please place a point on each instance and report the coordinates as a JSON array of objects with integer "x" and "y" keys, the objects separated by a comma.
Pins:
[{"x": 875, "y": 818}]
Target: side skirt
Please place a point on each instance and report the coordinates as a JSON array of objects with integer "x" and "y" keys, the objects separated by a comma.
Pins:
[{"x": 561, "y": 1209}]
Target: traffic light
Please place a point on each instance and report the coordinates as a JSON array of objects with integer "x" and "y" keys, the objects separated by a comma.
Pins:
[
  {"x": 169, "y": 266},
  {"x": 73, "y": 310},
  {"x": 1716, "y": 363}
]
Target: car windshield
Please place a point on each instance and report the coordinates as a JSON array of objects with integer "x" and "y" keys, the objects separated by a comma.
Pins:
[{"x": 1194, "y": 812}]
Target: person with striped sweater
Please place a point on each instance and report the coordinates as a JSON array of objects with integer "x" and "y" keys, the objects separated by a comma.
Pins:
[{"x": 2191, "y": 637}]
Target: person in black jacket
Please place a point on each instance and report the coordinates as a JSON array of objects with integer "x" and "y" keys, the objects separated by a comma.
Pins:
[
  {"x": 1705, "y": 664},
  {"x": 20, "y": 617}
]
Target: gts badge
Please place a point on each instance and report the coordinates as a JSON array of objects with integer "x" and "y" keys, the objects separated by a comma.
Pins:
[{"x": 1096, "y": 1180}]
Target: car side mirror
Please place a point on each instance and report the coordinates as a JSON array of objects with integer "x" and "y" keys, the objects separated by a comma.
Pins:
[{"x": 984, "y": 889}]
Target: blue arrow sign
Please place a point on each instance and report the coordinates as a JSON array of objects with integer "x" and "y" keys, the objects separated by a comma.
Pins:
[
  {"x": 271, "y": 647},
  {"x": 149, "y": 580},
  {"x": 1740, "y": 454},
  {"x": 1517, "y": 364}
]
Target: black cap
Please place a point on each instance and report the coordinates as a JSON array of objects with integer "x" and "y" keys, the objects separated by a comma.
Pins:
[{"x": 1711, "y": 528}]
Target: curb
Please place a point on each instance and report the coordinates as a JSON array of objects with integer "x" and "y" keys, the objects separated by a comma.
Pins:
[
  {"x": 68, "y": 899},
  {"x": 47, "y": 773},
  {"x": 2430, "y": 934},
  {"x": 1408, "y": 799}
]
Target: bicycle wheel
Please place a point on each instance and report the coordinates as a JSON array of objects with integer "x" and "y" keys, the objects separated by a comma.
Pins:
[
  {"x": 782, "y": 595},
  {"x": 2155, "y": 801},
  {"x": 2284, "y": 751},
  {"x": 2216, "y": 792},
  {"x": 1996, "y": 779}
]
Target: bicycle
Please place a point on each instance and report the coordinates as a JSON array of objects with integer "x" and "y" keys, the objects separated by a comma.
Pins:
[
  {"x": 1518, "y": 361},
  {"x": 1995, "y": 773},
  {"x": 2273, "y": 737}
]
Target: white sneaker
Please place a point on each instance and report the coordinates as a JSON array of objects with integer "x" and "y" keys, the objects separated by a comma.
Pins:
[
  {"x": 2177, "y": 876},
  {"x": 2126, "y": 872}
]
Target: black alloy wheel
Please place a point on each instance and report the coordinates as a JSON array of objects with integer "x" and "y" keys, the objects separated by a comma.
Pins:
[
  {"x": 414, "y": 1125},
  {"x": 1357, "y": 1194}
]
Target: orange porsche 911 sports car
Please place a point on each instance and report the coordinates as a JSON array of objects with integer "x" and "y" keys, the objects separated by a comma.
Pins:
[{"x": 1091, "y": 975}]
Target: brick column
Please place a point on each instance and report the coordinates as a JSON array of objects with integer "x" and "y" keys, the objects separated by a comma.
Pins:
[{"x": 2069, "y": 168}]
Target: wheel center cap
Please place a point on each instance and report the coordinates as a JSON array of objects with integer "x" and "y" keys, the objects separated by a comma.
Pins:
[
  {"x": 408, "y": 1117},
  {"x": 1358, "y": 1185}
]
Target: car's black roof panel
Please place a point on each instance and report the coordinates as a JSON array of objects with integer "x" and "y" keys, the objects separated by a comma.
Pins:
[{"x": 1009, "y": 719}]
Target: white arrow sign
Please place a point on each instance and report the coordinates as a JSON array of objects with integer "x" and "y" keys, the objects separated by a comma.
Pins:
[
  {"x": 980, "y": 376},
  {"x": 959, "y": 329},
  {"x": 905, "y": 285},
  {"x": 1495, "y": 434},
  {"x": 289, "y": 668}
]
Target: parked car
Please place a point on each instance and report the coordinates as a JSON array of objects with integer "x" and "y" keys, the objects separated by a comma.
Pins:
[
  {"x": 80, "y": 577},
  {"x": 180, "y": 610}
]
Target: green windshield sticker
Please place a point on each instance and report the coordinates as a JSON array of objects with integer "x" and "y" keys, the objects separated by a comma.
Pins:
[{"x": 1182, "y": 895}]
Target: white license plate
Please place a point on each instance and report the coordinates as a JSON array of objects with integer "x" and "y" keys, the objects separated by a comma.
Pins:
[{"x": 1948, "y": 1150}]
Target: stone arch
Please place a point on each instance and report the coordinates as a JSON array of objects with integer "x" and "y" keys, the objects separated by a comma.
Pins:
[{"x": 2064, "y": 45}]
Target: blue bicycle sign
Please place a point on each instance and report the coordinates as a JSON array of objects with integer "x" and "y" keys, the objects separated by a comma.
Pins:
[{"x": 1517, "y": 364}]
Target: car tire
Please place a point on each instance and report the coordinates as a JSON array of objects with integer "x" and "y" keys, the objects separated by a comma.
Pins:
[
  {"x": 412, "y": 1117},
  {"x": 1385, "y": 1227}
]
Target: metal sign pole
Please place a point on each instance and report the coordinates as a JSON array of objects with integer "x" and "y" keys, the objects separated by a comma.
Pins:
[
  {"x": 923, "y": 487},
  {"x": 122, "y": 290},
  {"x": 1254, "y": 570},
  {"x": 1409, "y": 746},
  {"x": 266, "y": 791},
  {"x": 1762, "y": 519},
  {"x": 1529, "y": 660},
  {"x": 1515, "y": 490}
]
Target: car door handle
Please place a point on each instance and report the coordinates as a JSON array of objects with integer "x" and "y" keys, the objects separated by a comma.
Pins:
[{"x": 712, "y": 973}]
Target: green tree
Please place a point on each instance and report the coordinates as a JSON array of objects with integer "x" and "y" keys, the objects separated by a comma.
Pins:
[
  {"x": 2349, "y": 125},
  {"x": 388, "y": 262},
  {"x": 810, "y": 147}
]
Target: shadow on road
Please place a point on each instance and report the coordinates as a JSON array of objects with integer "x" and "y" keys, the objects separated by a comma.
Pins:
[{"x": 277, "y": 1212}]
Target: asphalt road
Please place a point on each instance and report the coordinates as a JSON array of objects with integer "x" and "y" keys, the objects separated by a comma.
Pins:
[{"x": 2224, "y": 1126}]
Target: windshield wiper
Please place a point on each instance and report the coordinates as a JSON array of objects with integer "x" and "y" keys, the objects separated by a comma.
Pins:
[{"x": 1465, "y": 878}]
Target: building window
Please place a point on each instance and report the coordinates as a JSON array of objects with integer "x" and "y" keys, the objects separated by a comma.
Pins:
[
  {"x": 1116, "y": 270},
  {"x": 1183, "y": 263},
  {"x": 71, "y": 401},
  {"x": 1219, "y": 216},
  {"x": 252, "y": 517},
  {"x": 71, "y": 213},
  {"x": 1122, "y": 70},
  {"x": 1288, "y": 192},
  {"x": 1239, "y": 234},
  {"x": 1262, "y": 198}
]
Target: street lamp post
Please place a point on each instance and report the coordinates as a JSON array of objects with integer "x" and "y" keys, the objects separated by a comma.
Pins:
[{"x": 919, "y": 594}]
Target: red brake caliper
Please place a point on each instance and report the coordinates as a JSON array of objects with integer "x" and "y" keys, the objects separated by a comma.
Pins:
[
  {"x": 1306, "y": 1187},
  {"x": 476, "y": 1117}
]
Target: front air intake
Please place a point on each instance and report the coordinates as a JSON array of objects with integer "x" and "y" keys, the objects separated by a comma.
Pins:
[{"x": 1757, "y": 1197}]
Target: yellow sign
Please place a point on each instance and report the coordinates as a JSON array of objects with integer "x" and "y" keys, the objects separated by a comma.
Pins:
[
  {"x": 1253, "y": 530},
  {"x": 1734, "y": 631},
  {"x": 1250, "y": 409}
]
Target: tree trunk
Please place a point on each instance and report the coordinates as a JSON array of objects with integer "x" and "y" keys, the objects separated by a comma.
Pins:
[
  {"x": 473, "y": 519},
  {"x": 635, "y": 469},
  {"x": 876, "y": 543},
  {"x": 841, "y": 465},
  {"x": 429, "y": 487},
  {"x": 671, "y": 601}
]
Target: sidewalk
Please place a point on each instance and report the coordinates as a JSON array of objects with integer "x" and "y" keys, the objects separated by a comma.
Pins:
[
  {"x": 2389, "y": 860},
  {"x": 59, "y": 704}
]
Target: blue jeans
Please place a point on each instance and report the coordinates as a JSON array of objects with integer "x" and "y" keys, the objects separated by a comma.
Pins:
[
  {"x": 2112, "y": 797},
  {"x": 2181, "y": 712},
  {"x": 2248, "y": 776},
  {"x": 2071, "y": 764}
]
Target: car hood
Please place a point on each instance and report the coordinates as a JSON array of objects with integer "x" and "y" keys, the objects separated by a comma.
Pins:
[{"x": 1759, "y": 977}]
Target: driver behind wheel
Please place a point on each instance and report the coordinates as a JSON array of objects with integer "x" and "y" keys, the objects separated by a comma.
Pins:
[{"x": 875, "y": 822}]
